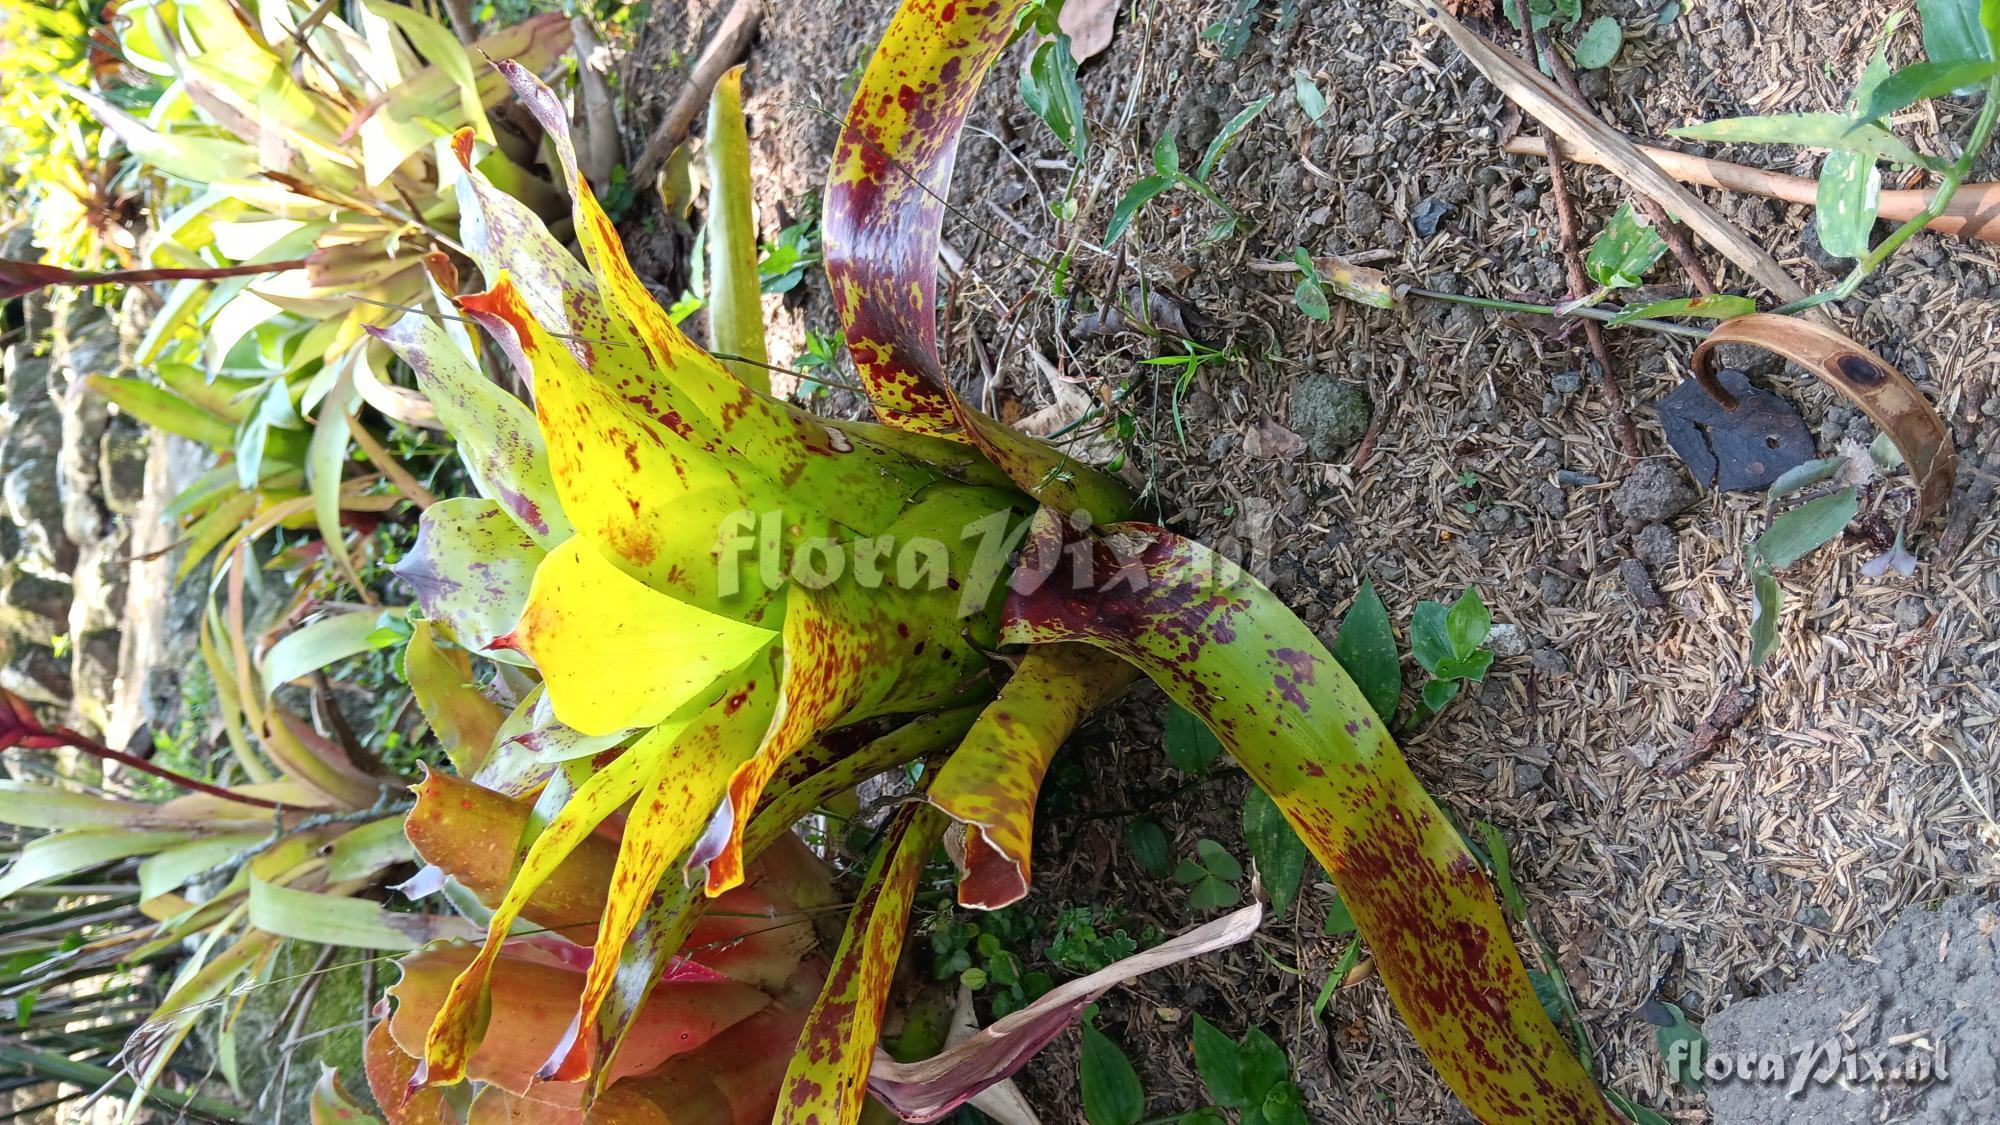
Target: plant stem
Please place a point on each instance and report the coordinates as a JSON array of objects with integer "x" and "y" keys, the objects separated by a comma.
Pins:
[
  {"x": 92, "y": 1076},
  {"x": 1660, "y": 326},
  {"x": 1982, "y": 135}
]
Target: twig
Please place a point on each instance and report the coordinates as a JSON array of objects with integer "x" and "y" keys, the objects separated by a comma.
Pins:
[
  {"x": 19, "y": 727},
  {"x": 1972, "y": 213},
  {"x": 1671, "y": 230},
  {"x": 1579, "y": 281},
  {"x": 731, "y": 41},
  {"x": 1728, "y": 713}
]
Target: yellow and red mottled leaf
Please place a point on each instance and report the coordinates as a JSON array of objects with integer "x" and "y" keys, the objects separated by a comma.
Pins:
[
  {"x": 390, "y": 1072},
  {"x": 827, "y": 1081},
  {"x": 990, "y": 783},
  {"x": 883, "y": 220},
  {"x": 1224, "y": 647},
  {"x": 732, "y": 1079},
  {"x": 532, "y": 744},
  {"x": 688, "y": 779},
  {"x": 615, "y": 653},
  {"x": 495, "y": 432},
  {"x": 841, "y": 759},
  {"x": 464, "y": 720},
  {"x": 644, "y": 483}
]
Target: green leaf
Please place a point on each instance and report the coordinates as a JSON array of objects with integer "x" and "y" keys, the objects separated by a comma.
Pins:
[
  {"x": 1467, "y": 623},
  {"x": 274, "y": 411},
  {"x": 1280, "y": 854},
  {"x": 1111, "y": 1091},
  {"x": 1549, "y": 991},
  {"x": 1803, "y": 476},
  {"x": 1430, "y": 640},
  {"x": 1683, "y": 1065},
  {"x": 1310, "y": 297},
  {"x": 1187, "y": 872},
  {"x": 1366, "y": 650},
  {"x": 1764, "y": 615},
  {"x": 1203, "y": 1116},
  {"x": 307, "y": 650},
  {"x": 1220, "y": 1062},
  {"x": 1263, "y": 1064},
  {"x": 1310, "y": 99},
  {"x": 352, "y": 923},
  {"x": 1147, "y": 842},
  {"x": 1600, "y": 43},
  {"x": 1338, "y": 920},
  {"x": 1437, "y": 693},
  {"x": 1167, "y": 155},
  {"x": 1049, "y": 88},
  {"x": 1820, "y": 130},
  {"x": 1213, "y": 894},
  {"x": 1227, "y": 136},
  {"x": 1806, "y": 528},
  {"x": 1136, "y": 197},
  {"x": 1190, "y": 744},
  {"x": 1624, "y": 250},
  {"x": 1217, "y": 860},
  {"x": 1953, "y": 32},
  {"x": 1919, "y": 81},
  {"x": 1284, "y": 1104},
  {"x": 1714, "y": 306}
]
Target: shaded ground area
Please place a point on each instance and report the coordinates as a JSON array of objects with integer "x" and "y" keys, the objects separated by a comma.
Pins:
[{"x": 1863, "y": 782}]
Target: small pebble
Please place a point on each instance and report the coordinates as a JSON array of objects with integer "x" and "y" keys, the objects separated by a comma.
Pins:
[
  {"x": 1655, "y": 544},
  {"x": 1567, "y": 382},
  {"x": 1528, "y": 777},
  {"x": 1549, "y": 662},
  {"x": 1571, "y": 478},
  {"x": 1507, "y": 640}
]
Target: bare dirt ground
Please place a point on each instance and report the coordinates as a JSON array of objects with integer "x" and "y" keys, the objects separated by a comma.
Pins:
[{"x": 1864, "y": 782}]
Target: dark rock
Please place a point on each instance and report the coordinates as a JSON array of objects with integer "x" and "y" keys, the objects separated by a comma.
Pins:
[
  {"x": 1549, "y": 662},
  {"x": 1566, "y": 382},
  {"x": 1555, "y": 587},
  {"x": 1656, "y": 490},
  {"x": 1528, "y": 777},
  {"x": 1655, "y": 545},
  {"x": 1639, "y": 585},
  {"x": 1330, "y": 415},
  {"x": 1572, "y": 478},
  {"x": 35, "y": 674},
  {"x": 1427, "y": 214},
  {"x": 1552, "y": 501},
  {"x": 121, "y": 467}
]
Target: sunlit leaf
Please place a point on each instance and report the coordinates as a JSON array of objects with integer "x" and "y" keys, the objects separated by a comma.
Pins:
[
  {"x": 351, "y": 923},
  {"x": 1806, "y": 528},
  {"x": 1714, "y": 306},
  {"x": 1849, "y": 192},
  {"x": 464, "y": 720},
  {"x": 1823, "y": 130},
  {"x": 735, "y": 303},
  {"x": 1624, "y": 250},
  {"x": 471, "y": 569},
  {"x": 313, "y": 647}
]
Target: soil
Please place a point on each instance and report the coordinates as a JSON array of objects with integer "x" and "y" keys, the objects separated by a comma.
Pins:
[{"x": 1864, "y": 780}]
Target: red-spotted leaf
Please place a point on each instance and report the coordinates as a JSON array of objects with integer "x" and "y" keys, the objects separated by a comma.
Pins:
[{"x": 1224, "y": 647}]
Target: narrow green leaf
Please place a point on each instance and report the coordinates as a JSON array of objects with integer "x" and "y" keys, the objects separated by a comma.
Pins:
[
  {"x": 1310, "y": 99},
  {"x": 1112, "y": 1094},
  {"x": 1280, "y": 854},
  {"x": 1920, "y": 81},
  {"x": 1227, "y": 136},
  {"x": 1803, "y": 476},
  {"x": 1764, "y": 613},
  {"x": 1714, "y": 306},
  {"x": 1599, "y": 45},
  {"x": 1624, "y": 250},
  {"x": 1366, "y": 649},
  {"x": 1806, "y": 528},
  {"x": 311, "y": 648},
  {"x": 1820, "y": 130},
  {"x": 1683, "y": 1062},
  {"x": 736, "y": 304},
  {"x": 274, "y": 411},
  {"x": 1167, "y": 155},
  {"x": 163, "y": 410},
  {"x": 352, "y": 923},
  {"x": 1136, "y": 197},
  {"x": 1190, "y": 744},
  {"x": 1338, "y": 920},
  {"x": 1310, "y": 297}
]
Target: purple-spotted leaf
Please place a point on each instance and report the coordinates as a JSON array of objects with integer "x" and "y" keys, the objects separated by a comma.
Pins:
[
  {"x": 1223, "y": 646},
  {"x": 471, "y": 570}
]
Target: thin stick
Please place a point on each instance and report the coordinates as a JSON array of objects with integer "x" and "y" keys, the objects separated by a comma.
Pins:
[
  {"x": 1973, "y": 213},
  {"x": 19, "y": 727},
  {"x": 731, "y": 41},
  {"x": 1671, "y": 230},
  {"x": 1579, "y": 281}
]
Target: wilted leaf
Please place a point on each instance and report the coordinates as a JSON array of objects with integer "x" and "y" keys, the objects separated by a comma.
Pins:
[
  {"x": 1310, "y": 99},
  {"x": 1226, "y": 136},
  {"x": 931, "y": 1089},
  {"x": 1743, "y": 449}
]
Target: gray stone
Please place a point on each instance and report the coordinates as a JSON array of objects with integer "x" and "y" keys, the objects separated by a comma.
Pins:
[
  {"x": 1566, "y": 382},
  {"x": 1507, "y": 640},
  {"x": 1655, "y": 544},
  {"x": 37, "y": 675},
  {"x": 1549, "y": 662},
  {"x": 121, "y": 466},
  {"x": 1528, "y": 777},
  {"x": 1575, "y": 478},
  {"x": 1552, "y": 500},
  {"x": 33, "y": 607},
  {"x": 1654, "y": 491},
  {"x": 1330, "y": 415}
]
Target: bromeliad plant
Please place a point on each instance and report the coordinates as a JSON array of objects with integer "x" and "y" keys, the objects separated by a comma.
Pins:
[{"x": 737, "y": 610}]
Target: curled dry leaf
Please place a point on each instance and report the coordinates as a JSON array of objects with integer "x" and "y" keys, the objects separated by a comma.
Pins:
[
  {"x": 928, "y": 1090},
  {"x": 1272, "y": 441},
  {"x": 1885, "y": 394},
  {"x": 1089, "y": 24}
]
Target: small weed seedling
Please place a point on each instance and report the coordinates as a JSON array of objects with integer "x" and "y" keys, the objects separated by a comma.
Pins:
[
  {"x": 784, "y": 262},
  {"x": 1210, "y": 876},
  {"x": 986, "y": 957},
  {"x": 1446, "y": 640},
  {"x": 1598, "y": 44},
  {"x": 1167, "y": 175},
  {"x": 1791, "y": 537}
]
